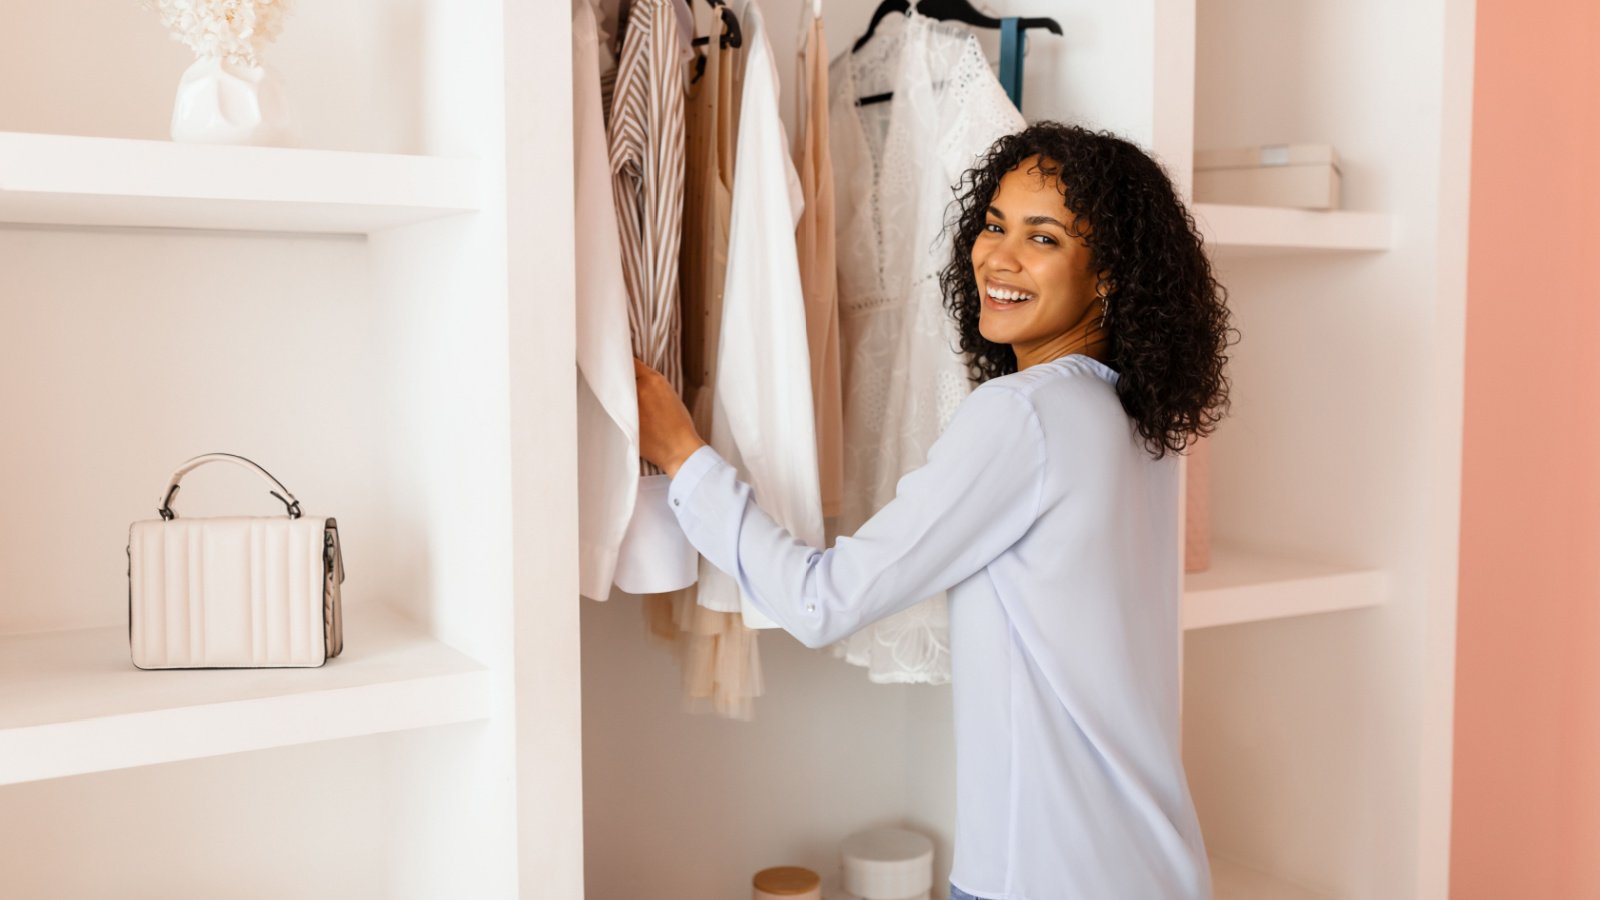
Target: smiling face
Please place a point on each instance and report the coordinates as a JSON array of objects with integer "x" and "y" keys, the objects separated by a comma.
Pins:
[{"x": 1034, "y": 276}]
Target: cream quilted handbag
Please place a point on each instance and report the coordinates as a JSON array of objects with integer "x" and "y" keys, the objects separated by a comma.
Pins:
[{"x": 233, "y": 591}]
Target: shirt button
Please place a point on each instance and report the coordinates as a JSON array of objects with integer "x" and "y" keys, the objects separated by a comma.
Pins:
[
  {"x": 811, "y": 607},
  {"x": 676, "y": 502}
]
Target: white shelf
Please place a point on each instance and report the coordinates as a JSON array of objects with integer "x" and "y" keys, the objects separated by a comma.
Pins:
[
  {"x": 1233, "y": 881},
  {"x": 71, "y": 702},
  {"x": 48, "y": 179},
  {"x": 1270, "y": 229},
  {"x": 1248, "y": 586}
]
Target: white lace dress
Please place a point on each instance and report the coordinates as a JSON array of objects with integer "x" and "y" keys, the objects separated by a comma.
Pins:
[{"x": 894, "y": 165}]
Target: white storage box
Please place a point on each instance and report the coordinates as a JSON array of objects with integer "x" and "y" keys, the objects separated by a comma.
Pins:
[
  {"x": 886, "y": 864},
  {"x": 1300, "y": 176}
]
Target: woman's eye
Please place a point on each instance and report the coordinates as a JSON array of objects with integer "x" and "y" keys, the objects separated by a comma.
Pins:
[
  {"x": 992, "y": 228},
  {"x": 1044, "y": 239}
]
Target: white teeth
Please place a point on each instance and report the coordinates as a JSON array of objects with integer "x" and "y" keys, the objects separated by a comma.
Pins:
[{"x": 1009, "y": 296}]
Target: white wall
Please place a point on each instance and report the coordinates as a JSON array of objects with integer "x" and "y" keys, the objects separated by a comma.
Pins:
[
  {"x": 119, "y": 337},
  {"x": 690, "y": 805},
  {"x": 92, "y": 67}
]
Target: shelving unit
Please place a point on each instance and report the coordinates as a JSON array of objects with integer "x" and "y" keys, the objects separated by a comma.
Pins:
[
  {"x": 72, "y": 703},
  {"x": 1249, "y": 586},
  {"x": 381, "y": 323},
  {"x": 1266, "y": 229},
  {"x": 1318, "y": 746},
  {"x": 48, "y": 179},
  {"x": 358, "y": 315}
]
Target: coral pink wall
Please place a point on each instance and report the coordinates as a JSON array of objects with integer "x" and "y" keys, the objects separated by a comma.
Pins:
[{"x": 1527, "y": 754}]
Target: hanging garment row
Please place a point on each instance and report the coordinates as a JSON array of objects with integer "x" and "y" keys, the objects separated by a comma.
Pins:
[{"x": 803, "y": 326}]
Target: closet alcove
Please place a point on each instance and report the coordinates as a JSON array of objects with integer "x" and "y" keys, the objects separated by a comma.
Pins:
[
  {"x": 383, "y": 320},
  {"x": 1317, "y": 653}
]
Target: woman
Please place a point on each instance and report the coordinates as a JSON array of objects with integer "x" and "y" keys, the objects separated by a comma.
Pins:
[{"x": 1096, "y": 334}]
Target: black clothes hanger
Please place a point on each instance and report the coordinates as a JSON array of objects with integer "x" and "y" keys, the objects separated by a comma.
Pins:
[
  {"x": 1011, "y": 29},
  {"x": 963, "y": 11},
  {"x": 949, "y": 11},
  {"x": 732, "y": 36}
]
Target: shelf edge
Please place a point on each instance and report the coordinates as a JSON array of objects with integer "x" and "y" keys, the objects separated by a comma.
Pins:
[
  {"x": 1228, "y": 227},
  {"x": 1264, "y": 601},
  {"x": 124, "y": 741}
]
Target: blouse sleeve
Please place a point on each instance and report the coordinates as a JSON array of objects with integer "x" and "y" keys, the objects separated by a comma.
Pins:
[{"x": 978, "y": 493}]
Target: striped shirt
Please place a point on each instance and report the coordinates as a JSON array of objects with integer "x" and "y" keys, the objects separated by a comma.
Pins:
[{"x": 647, "y": 164}]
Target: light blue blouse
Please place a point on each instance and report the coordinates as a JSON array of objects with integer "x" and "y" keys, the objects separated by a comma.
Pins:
[{"x": 1056, "y": 534}]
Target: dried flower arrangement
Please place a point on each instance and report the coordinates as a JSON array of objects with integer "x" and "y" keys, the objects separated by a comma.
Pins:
[{"x": 230, "y": 30}]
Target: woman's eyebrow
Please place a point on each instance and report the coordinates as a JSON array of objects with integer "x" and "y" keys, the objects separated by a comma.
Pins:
[
  {"x": 1030, "y": 220},
  {"x": 1044, "y": 220}
]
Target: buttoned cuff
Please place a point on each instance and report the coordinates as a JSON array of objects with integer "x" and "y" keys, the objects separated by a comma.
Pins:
[{"x": 690, "y": 474}]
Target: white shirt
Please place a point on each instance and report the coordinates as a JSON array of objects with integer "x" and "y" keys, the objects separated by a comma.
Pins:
[
  {"x": 762, "y": 418},
  {"x": 608, "y": 404},
  {"x": 1055, "y": 532}
]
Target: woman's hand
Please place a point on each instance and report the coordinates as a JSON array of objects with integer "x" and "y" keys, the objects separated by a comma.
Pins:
[{"x": 666, "y": 432}]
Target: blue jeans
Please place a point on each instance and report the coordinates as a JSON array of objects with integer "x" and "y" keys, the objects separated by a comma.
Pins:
[{"x": 958, "y": 894}]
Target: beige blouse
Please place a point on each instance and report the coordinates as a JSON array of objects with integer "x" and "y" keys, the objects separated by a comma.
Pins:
[
  {"x": 712, "y": 109},
  {"x": 718, "y": 656},
  {"x": 814, "y": 239}
]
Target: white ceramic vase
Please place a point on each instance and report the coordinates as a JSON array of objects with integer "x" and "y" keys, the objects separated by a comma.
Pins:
[{"x": 220, "y": 102}]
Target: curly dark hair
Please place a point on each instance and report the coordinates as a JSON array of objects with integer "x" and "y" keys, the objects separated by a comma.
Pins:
[{"x": 1166, "y": 316}]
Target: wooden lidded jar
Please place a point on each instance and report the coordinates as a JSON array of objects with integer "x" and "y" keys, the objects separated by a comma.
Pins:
[{"x": 787, "y": 883}]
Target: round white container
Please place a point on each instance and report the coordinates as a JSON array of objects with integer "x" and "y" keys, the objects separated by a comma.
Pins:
[
  {"x": 887, "y": 864},
  {"x": 832, "y": 891}
]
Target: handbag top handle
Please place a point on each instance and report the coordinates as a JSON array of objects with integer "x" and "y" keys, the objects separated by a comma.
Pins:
[{"x": 167, "y": 512}]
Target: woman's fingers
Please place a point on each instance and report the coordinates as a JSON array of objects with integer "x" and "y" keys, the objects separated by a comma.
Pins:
[{"x": 666, "y": 430}]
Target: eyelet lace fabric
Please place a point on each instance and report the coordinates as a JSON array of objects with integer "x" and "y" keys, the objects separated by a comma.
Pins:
[{"x": 894, "y": 167}]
